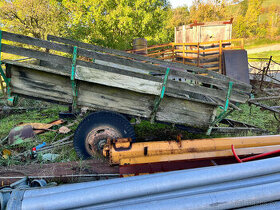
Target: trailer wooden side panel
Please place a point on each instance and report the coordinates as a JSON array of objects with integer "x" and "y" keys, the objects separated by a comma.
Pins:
[{"x": 32, "y": 82}]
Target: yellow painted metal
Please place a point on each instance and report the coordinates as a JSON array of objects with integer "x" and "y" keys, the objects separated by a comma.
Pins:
[
  {"x": 157, "y": 150},
  {"x": 198, "y": 155}
]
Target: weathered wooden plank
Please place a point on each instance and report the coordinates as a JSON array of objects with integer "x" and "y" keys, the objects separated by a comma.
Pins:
[
  {"x": 114, "y": 99},
  {"x": 36, "y": 42},
  {"x": 190, "y": 113},
  {"x": 118, "y": 80},
  {"x": 41, "y": 85},
  {"x": 113, "y": 60}
]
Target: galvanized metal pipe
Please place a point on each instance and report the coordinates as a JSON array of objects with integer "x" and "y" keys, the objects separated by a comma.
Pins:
[
  {"x": 164, "y": 183},
  {"x": 194, "y": 191},
  {"x": 266, "y": 206},
  {"x": 228, "y": 199},
  {"x": 77, "y": 186}
]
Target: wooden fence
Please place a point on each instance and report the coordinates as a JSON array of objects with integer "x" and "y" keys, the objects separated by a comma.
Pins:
[{"x": 205, "y": 54}]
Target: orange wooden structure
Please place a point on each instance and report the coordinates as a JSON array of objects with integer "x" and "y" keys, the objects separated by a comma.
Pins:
[{"x": 202, "y": 54}]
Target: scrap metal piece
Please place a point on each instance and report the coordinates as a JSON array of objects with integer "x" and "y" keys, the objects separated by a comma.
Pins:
[
  {"x": 164, "y": 151},
  {"x": 236, "y": 65},
  {"x": 20, "y": 132}
]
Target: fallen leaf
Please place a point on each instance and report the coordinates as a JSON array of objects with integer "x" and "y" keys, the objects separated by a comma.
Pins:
[{"x": 64, "y": 130}]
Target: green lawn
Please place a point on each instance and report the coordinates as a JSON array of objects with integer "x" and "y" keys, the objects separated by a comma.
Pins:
[
  {"x": 254, "y": 43},
  {"x": 275, "y": 55}
]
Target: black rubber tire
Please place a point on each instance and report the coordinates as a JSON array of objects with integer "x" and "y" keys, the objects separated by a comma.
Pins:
[{"x": 112, "y": 119}]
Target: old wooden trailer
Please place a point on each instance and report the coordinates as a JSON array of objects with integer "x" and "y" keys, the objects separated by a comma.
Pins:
[{"x": 116, "y": 84}]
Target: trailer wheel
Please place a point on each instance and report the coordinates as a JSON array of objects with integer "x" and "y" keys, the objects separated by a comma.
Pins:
[{"x": 93, "y": 132}]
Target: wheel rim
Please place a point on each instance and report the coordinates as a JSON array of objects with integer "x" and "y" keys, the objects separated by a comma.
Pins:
[{"x": 97, "y": 138}]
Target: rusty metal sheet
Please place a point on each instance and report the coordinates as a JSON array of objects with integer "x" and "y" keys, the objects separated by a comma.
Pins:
[{"x": 235, "y": 65}]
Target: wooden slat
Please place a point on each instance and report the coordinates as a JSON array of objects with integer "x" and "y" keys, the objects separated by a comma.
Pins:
[
  {"x": 118, "y": 80},
  {"x": 166, "y": 57},
  {"x": 205, "y": 57},
  {"x": 209, "y": 63},
  {"x": 213, "y": 68},
  {"x": 161, "y": 52}
]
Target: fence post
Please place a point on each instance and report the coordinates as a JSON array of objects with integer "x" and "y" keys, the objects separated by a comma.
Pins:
[
  {"x": 198, "y": 54},
  {"x": 220, "y": 56}
]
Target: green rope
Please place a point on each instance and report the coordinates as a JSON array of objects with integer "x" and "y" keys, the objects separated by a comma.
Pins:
[
  {"x": 159, "y": 99},
  {"x": 73, "y": 81}
]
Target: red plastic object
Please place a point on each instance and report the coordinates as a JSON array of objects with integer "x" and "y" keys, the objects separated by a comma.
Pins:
[{"x": 252, "y": 157}]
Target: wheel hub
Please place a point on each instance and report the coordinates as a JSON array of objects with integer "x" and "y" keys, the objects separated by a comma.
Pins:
[{"x": 97, "y": 138}]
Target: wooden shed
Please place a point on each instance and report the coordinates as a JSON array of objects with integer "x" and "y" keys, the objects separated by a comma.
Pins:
[{"x": 204, "y": 32}]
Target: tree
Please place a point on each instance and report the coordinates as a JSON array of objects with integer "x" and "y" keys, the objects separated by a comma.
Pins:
[
  {"x": 36, "y": 18},
  {"x": 248, "y": 25},
  {"x": 180, "y": 16},
  {"x": 210, "y": 10},
  {"x": 115, "y": 23}
]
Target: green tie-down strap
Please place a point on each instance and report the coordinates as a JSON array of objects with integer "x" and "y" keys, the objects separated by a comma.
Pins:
[
  {"x": 225, "y": 111},
  {"x": 73, "y": 81},
  {"x": 158, "y": 100}
]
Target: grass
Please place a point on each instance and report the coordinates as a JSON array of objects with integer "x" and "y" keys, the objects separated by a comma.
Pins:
[
  {"x": 275, "y": 55},
  {"x": 253, "y": 115},
  {"x": 267, "y": 3},
  {"x": 254, "y": 43}
]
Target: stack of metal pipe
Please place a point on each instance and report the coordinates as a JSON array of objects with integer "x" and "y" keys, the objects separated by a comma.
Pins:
[{"x": 241, "y": 185}]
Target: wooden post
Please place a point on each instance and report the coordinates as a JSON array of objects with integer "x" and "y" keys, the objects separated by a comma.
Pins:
[
  {"x": 184, "y": 53},
  {"x": 265, "y": 70},
  {"x": 2, "y": 86},
  {"x": 173, "y": 53},
  {"x": 198, "y": 54},
  {"x": 220, "y": 56},
  {"x": 242, "y": 44}
]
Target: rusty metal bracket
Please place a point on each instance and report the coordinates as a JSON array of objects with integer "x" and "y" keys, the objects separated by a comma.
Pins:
[{"x": 122, "y": 144}]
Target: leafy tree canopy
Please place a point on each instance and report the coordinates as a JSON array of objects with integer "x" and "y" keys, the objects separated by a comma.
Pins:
[
  {"x": 115, "y": 23},
  {"x": 37, "y": 18}
]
